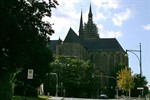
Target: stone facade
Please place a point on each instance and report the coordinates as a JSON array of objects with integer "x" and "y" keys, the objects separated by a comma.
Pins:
[{"x": 104, "y": 53}]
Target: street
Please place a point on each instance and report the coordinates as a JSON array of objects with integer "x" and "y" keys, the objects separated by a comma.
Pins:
[{"x": 62, "y": 98}]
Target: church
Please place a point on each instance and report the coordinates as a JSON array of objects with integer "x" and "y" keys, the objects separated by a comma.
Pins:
[{"x": 104, "y": 53}]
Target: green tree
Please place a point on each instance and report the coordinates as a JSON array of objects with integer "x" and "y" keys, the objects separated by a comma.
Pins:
[
  {"x": 113, "y": 83},
  {"x": 125, "y": 79},
  {"x": 142, "y": 83},
  {"x": 23, "y": 40},
  {"x": 76, "y": 76}
]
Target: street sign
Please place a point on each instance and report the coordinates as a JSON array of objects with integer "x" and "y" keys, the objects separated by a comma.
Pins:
[
  {"x": 140, "y": 88},
  {"x": 30, "y": 74}
]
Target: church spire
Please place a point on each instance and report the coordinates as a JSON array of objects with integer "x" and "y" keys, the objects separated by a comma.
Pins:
[
  {"x": 81, "y": 26},
  {"x": 90, "y": 13}
]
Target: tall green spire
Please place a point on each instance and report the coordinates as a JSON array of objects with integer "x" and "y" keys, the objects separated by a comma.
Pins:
[
  {"x": 81, "y": 27},
  {"x": 90, "y": 13}
]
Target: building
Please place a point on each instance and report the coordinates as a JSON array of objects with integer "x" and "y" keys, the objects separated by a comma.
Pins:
[{"x": 104, "y": 53}]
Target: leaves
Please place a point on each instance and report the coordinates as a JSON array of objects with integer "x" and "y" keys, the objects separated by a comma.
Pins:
[
  {"x": 75, "y": 74},
  {"x": 125, "y": 79},
  {"x": 24, "y": 38}
]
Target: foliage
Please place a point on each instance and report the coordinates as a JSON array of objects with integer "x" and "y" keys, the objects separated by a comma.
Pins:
[
  {"x": 23, "y": 40},
  {"x": 76, "y": 76},
  {"x": 139, "y": 82},
  {"x": 112, "y": 91},
  {"x": 125, "y": 79}
]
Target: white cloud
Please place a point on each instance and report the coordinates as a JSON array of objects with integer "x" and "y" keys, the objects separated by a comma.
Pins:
[
  {"x": 106, "y": 4},
  {"x": 110, "y": 34},
  {"x": 119, "y": 18},
  {"x": 146, "y": 27},
  {"x": 100, "y": 16},
  {"x": 67, "y": 15}
]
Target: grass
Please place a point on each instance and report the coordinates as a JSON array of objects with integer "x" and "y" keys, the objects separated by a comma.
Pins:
[{"x": 30, "y": 98}]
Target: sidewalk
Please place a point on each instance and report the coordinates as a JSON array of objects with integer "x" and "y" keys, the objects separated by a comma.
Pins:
[{"x": 56, "y": 98}]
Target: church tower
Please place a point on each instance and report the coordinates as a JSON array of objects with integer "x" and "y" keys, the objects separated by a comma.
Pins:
[
  {"x": 90, "y": 30},
  {"x": 81, "y": 27},
  {"x": 90, "y": 15}
]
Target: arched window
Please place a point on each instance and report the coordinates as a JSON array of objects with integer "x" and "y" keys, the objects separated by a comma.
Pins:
[
  {"x": 67, "y": 52},
  {"x": 75, "y": 52}
]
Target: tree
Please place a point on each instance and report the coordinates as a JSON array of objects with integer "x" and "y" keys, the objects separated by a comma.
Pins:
[
  {"x": 76, "y": 76},
  {"x": 140, "y": 82},
  {"x": 23, "y": 40},
  {"x": 113, "y": 83},
  {"x": 125, "y": 80}
]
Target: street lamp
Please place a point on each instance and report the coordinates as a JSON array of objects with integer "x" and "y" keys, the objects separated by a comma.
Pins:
[
  {"x": 56, "y": 83},
  {"x": 139, "y": 58}
]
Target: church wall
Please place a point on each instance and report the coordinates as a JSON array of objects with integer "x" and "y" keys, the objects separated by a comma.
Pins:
[
  {"x": 105, "y": 63},
  {"x": 71, "y": 50}
]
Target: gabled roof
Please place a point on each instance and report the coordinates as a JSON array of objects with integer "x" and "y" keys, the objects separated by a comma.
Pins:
[
  {"x": 91, "y": 45},
  {"x": 72, "y": 37},
  {"x": 102, "y": 44},
  {"x": 53, "y": 44}
]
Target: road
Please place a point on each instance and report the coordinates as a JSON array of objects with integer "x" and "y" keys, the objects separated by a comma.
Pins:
[{"x": 62, "y": 98}]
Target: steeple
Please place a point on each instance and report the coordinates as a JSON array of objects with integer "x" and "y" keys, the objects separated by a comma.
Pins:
[
  {"x": 90, "y": 29},
  {"x": 81, "y": 27},
  {"x": 90, "y": 15}
]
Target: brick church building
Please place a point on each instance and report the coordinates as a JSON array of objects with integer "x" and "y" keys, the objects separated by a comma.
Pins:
[{"x": 104, "y": 53}]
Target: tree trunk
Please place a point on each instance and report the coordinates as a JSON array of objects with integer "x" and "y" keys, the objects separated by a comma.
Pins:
[{"x": 6, "y": 85}]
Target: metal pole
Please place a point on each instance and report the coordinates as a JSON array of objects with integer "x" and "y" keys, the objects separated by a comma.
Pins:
[
  {"x": 56, "y": 83},
  {"x": 140, "y": 61},
  {"x": 139, "y": 58},
  {"x": 111, "y": 78}
]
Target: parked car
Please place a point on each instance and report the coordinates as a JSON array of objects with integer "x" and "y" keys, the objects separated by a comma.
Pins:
[{"x": 103, "y": 96}]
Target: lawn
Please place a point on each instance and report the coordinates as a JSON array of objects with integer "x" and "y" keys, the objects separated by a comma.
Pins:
[{"x": 30, "y": 98}]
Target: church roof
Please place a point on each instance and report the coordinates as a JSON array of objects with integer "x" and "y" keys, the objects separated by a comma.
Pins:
[
  {"x": 91, "y": 45},
  {"x": 72, "y": 37},
  {"x": 53, "y": 44},
  {"x": 91, "y": 42},
  {"x": 102, "y": 44}
]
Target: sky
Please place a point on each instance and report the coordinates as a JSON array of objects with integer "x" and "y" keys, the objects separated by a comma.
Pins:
[{"x": 126, "y": 20}]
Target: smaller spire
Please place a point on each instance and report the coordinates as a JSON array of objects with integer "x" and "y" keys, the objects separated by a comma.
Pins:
[
  {"x": 81, "y": 26},
  {"x": 59, "y": 41},
  {"x": 90, "y": 12}
]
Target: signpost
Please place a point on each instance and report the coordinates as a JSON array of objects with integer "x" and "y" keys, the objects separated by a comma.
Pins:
[{"x": 30, "y": 74}]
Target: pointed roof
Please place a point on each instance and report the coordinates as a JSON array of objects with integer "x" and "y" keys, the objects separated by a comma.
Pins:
[
  {"x": 81, "y": 26},
  {"x": 90, "y": 11},
  {"x": 71, "y": 37},
  {"x": 103, "y": 44}
]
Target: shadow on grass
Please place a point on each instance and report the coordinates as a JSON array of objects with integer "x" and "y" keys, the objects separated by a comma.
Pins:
[{"x": 30, "y": 98}]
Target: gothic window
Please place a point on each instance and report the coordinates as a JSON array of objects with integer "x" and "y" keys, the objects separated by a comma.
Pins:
[
  {"x": 117, "y": 59},
  {"x": 111, "y": 61},
  {"x": 67, "y": 52},
  {"x": 93, "y": 58},
  {"x": 75, "y": 52},
  {"x": 104, "y": 60}
]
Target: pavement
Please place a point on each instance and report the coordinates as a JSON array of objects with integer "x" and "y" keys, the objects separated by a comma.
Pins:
[
  {"x": 56, "y": 98},
  {"x": 62, "y": 98}
]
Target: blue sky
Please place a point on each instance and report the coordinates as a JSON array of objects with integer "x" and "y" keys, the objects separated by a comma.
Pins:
[{"x": 126, "y": 20}]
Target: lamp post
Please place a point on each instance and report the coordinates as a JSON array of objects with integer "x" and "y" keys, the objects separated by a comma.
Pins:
[
  {"x": 56, "y": 82},
  {"x": 139, "y": 58}
]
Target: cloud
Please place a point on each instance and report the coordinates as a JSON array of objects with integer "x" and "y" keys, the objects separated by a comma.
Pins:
[
  {"x": 110, "y": 34},
  {"x": 106, "y": 4},
  {"x": 146, "y": 27},
  {"x": 119, "y": 18},
  {"x": 68, "y": 15}
]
